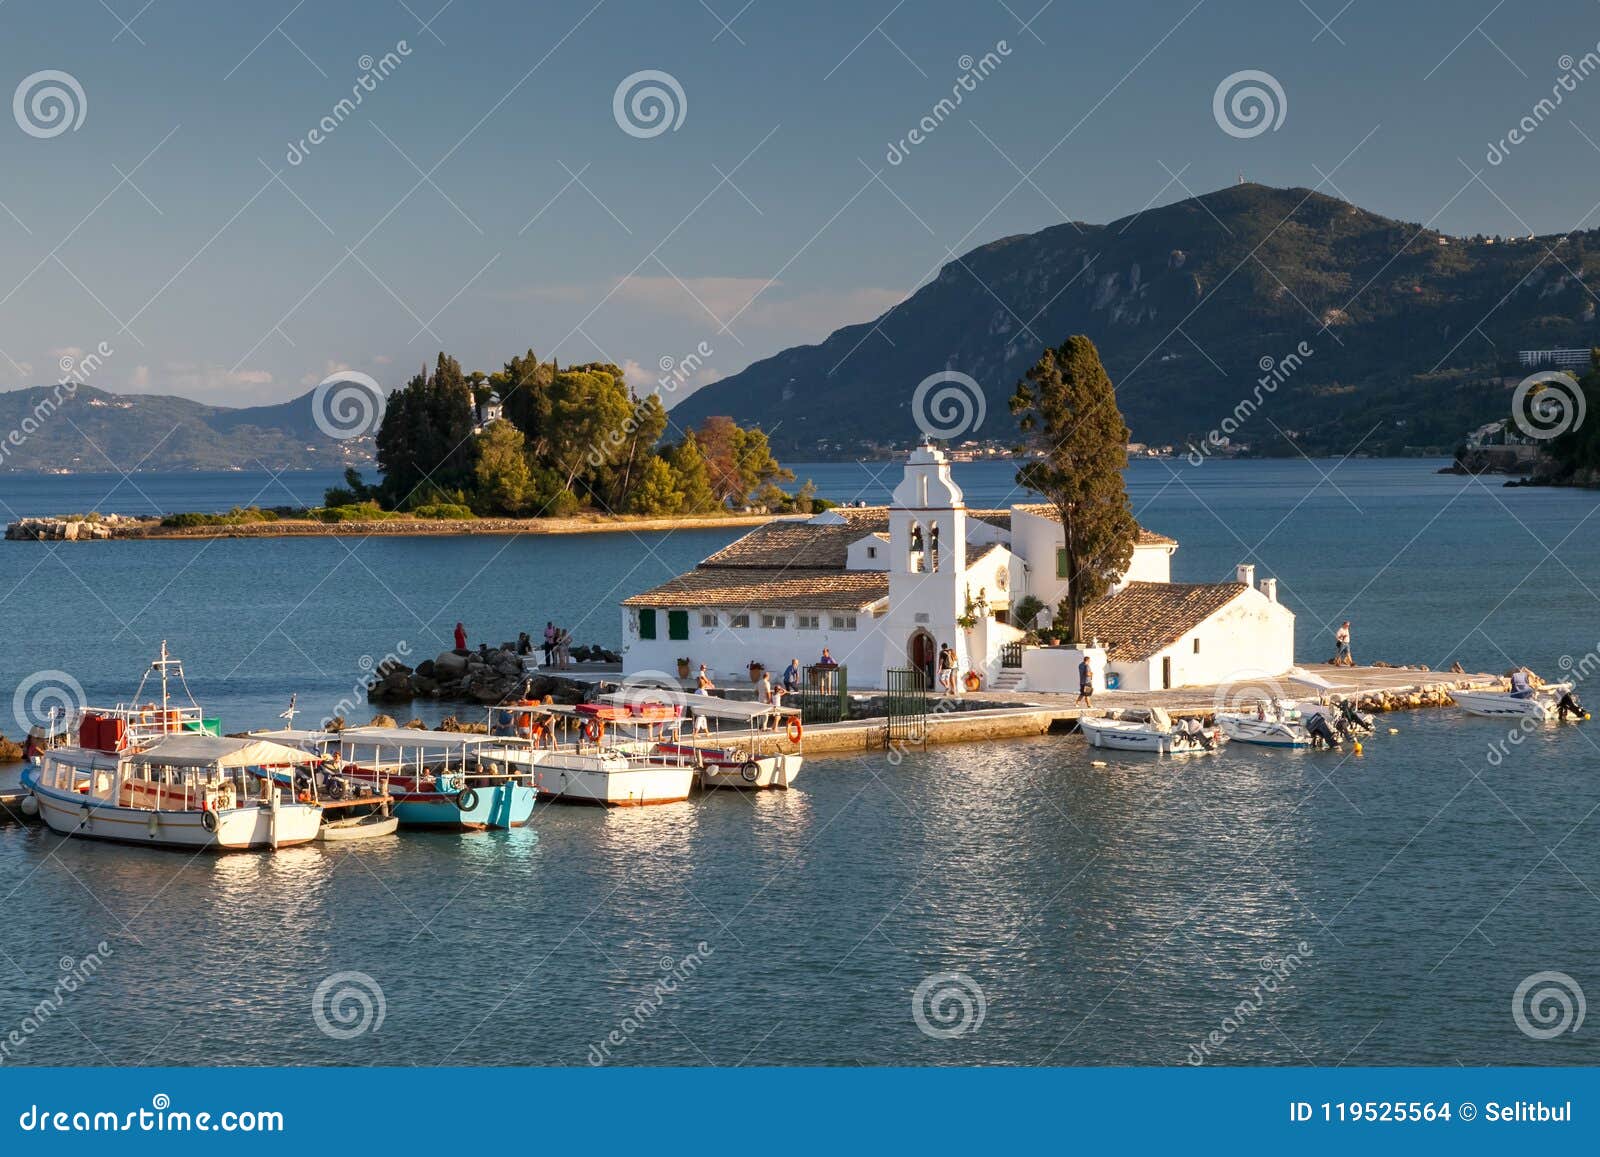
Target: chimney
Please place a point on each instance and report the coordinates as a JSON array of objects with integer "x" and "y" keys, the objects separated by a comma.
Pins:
[
  {"x": 1269, "y": 587},
  {"x": 1246, "y": 573}
]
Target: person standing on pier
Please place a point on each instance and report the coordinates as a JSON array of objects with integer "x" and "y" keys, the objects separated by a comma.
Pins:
[
  {"x": 549, "y": 642},
  {"x": 1341, "y": 639},
  {"x": 461, "y": 638},
  {"x": 1085, "y": 683},
  {"x": 791, "y": 677}
]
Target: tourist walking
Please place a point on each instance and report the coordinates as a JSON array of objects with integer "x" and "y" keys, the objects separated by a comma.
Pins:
[
  {"x": 947, "y": 668},
  {"x": 461, "y": 638},
  {"x": 1341, "y": 653},
  {"x": 1085, "y": 683},
  {"x": 702, "y": 682}
]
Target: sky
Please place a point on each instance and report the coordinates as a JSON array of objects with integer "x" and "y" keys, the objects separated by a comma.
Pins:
[{"x": 489, "y": 193}]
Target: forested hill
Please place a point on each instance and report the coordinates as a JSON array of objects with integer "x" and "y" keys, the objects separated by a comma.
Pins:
[
  {"x": 88, "y": 429},
  {"x": 1410, "y": 331}
]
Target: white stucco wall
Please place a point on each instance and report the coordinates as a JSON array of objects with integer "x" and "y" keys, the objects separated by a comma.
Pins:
[
  {"x": 726, "y": 651},
  {"x": 867, "y": 553},
  {"x": 1056, "y": 668},
  {"x": 1251, "y": 636}
]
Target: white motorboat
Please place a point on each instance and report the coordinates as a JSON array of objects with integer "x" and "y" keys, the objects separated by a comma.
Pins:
[
  {"x": 1542, "y": 703},
  {"x": 1150, "y": 731},
  {"x": 1277, "y": 724},
  {"x": 159, "y": 776}
]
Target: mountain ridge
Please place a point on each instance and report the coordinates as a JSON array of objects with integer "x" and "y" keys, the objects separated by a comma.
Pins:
[{"x": 1413, "y": 333}]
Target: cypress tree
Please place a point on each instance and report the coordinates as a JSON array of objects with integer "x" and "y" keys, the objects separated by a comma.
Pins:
[{"x": 1067, "y": 407}]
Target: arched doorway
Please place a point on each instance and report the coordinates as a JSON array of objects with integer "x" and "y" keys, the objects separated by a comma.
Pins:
[{"x": 923, "y": 654}]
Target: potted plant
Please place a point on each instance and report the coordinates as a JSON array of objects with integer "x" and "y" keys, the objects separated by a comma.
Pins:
[
  {"x": 974, "y": 681},
  {"x": 683, "y": 668}
]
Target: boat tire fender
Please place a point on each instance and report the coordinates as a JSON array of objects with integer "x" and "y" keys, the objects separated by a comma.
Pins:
[
  {"x": 750, "y": 772},
  {"x": 208, "y": 820},
  {"x": 467, "y": 799}
]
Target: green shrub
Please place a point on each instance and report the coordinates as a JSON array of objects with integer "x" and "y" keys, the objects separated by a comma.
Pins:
[
  {"x": 356, "y": 512},
  {"x": 442, "y": 510},
  {"x": 238, "y": 516}
]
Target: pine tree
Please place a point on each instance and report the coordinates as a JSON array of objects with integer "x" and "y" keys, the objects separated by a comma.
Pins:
[
  {"x": 690, "y": 476},
  {"x": 1067, "y": 406}
]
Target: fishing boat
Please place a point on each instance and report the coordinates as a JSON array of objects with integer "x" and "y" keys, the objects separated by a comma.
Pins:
[
  {"x": 1542, "y": 703},
  {"x": 159, "y": 775},
  {"x": 1150, "y": 731},
  {"x": 597, "y": 756},
  {"x": 731, "y": 743},
  {"x": 437, "y": 779}
]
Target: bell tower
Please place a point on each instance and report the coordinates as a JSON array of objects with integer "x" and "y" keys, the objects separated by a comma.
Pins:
[{"x": 927, "y": 561}]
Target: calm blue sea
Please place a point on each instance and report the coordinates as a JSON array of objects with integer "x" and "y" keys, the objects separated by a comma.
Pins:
[{"x": 1305, "y": 908}]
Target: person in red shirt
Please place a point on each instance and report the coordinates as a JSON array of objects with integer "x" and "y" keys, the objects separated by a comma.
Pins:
[{"x": 461, "y": 637}]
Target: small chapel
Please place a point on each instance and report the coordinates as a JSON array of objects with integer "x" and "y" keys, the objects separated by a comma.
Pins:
[{"x": 883, "y": 588}]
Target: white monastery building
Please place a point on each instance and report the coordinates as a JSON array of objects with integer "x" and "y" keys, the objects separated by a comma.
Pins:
[{"x": 884, "y": 587}]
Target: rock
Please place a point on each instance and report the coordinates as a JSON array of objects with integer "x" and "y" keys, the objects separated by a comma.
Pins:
[
  {"x": 506, "y": 663},
  {"x": 1457, "y": 669},
  {"x": 425, "y": 669},
  {"x": 381, "y": 720},
  {"x": 422, "y": 685},
  {"x": 449, "y": 665}
]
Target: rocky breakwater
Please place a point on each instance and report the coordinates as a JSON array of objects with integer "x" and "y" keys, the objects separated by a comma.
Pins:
[
  {"x": 58, "y": 529},
  {"x": 486, "y": 677}
]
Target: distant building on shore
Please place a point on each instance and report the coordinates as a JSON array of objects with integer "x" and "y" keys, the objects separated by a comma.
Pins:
[
  {"x": 1557, "y": 359},
  {"x": 885, "y": 587}
]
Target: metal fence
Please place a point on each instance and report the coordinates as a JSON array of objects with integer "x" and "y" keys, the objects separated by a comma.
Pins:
[
  {"x": 824, "y": 694},
  {"x": 906, "y": 706}
]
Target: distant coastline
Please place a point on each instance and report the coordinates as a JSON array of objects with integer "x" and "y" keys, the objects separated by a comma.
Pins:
[{"x": 140, "y": 528}]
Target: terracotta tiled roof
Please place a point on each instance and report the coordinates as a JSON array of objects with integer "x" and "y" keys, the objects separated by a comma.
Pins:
[
  {"x": 1145, "y": 618},
  {"x": 802, "y": 544},
  {"x": 759, "y": 587}
]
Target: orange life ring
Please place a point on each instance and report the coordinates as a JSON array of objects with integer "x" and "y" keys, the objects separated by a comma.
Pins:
[
  {"x": 594, "y": 730},
  {"x": 795, "y": 730}
]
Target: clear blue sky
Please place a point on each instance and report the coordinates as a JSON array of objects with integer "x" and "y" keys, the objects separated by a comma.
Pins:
[{"x": 548, "y": 226}]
